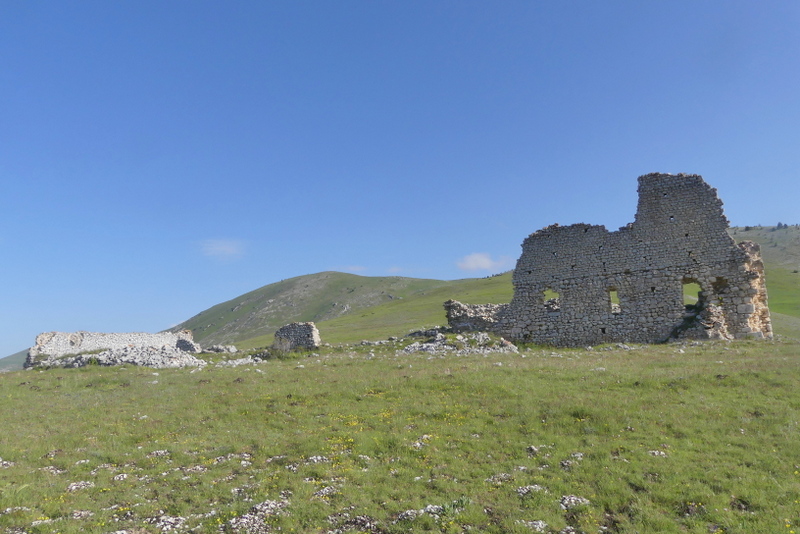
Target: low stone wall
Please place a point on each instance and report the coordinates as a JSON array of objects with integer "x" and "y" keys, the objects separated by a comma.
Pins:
[
  {"x": 297, "y": 336},
  {"x": 59, "y": 344}
]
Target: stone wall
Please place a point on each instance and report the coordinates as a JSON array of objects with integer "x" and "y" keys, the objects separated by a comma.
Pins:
[
  {"x": 567, "y": 277},
  {"x": 297, "y": 336},
  {"x": 57, "y": 344}
]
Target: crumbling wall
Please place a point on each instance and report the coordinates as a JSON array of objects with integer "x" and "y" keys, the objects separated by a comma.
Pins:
[
  {"x": 61, "y": 343},
  {"x": 49, "y": 347},
  {"x": 294, "y": 336},
  {"x": 567, "y": 278},
  {"x": 473, "y": 317}
]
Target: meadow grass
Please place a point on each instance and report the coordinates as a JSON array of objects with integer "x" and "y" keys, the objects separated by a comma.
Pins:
[
  {"x": 697, "y": 437},
  {"x": 783, "y": 288}
]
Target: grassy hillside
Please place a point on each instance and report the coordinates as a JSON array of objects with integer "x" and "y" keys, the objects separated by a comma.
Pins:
[
  {"x": 13, "y": 362},
  {"x": 781, "y": 252},
  {"x": 396, "y": 318},
  {"x": 780, "y": 248},
  {"x": 316, "y": 297},
  {"x": 695, "y": 438}
]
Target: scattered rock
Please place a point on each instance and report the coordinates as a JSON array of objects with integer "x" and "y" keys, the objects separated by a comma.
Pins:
[
  {"x": 568, "y": 502},
  {"x": 76, "y": 486},
  {"x": 156, "y": 357},
  {"x": 254, "y": 521},
  {"x": 473, "y": 343},
  {"x": 230, "y": 349}
]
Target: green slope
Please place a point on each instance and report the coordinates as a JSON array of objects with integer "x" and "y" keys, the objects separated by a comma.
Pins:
[
  {"x": 316, "y": 297},
  {"x": 13, "y": 362},
  {"x": 780, "y": 250},
  {"x": 396, "y": 318}
]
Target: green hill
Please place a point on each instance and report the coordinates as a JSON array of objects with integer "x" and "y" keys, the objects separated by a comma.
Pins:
[
  {"x": 781, "y": 252},
  {"x": 314, "y": 297},
  {"x": 420, "y": 310},
  {"x": 780, "y": 249},
  {"x": 13, "y": 362}
]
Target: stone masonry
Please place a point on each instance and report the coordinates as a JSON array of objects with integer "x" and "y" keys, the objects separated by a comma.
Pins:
[
  {"x": 59, "y": 344},
  {"x": 567, "y": 277},
  {"x": 297, "y": 336}
]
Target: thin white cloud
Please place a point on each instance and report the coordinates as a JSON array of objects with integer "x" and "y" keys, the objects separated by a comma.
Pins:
[
  {"x": 481, "y": 261},
  {"x": 227, "y": 249},
  {"x": 395, "y": 269}
]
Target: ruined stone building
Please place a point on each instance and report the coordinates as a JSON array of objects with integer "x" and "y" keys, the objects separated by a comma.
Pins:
[
  {"x": 581, "y": 284},
  {"x": 297, "y": 336}
]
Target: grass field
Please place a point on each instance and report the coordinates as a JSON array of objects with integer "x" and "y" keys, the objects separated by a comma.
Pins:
[{"x": 669, "y": 438}]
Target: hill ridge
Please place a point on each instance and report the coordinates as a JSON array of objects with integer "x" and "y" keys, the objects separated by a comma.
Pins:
[{"x": 312, "y": 297}]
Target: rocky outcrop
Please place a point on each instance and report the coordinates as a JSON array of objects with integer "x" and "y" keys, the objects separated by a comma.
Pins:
[
  {"x": 62, "y": 349},
  {"x": 297, "y": 336}
]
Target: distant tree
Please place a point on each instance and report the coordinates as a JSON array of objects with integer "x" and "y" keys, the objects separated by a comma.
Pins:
[{"x": 747, "y": 228}]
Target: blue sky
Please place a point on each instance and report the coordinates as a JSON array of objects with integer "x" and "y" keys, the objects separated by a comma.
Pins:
[{"x": 157, "y": 158}]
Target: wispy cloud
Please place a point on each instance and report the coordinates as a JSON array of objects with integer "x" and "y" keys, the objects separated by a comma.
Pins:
[
  {"x": 481, "y": 261},
  {"x": 226, "y": 249},
  {"x": 395, "y": 269}
]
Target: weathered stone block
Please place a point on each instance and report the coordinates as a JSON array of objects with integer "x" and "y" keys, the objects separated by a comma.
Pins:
[{"x": 297, "y": 336}]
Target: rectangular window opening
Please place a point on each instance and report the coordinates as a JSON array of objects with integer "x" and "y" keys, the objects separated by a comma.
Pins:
[
  {"x": 692, "y": 297},
  {"x": 613, "y": 299},
  {"x": 691, "y": 294}
]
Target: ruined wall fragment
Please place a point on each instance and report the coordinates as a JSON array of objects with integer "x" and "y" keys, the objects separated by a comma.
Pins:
[
  {"x": 50, "y": 346},
  {"x": 297, "y": 336}
]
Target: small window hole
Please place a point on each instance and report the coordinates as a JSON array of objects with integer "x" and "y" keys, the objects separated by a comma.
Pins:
[{"x": 613, "y": 301}]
